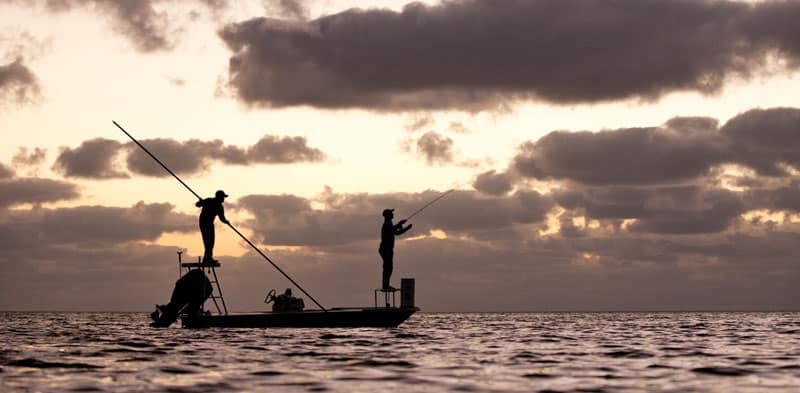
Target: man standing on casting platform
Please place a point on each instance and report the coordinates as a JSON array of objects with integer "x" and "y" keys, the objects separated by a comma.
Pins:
[
  {"x": 386, "y": 249},
  {"x": 212, "y": 207}
]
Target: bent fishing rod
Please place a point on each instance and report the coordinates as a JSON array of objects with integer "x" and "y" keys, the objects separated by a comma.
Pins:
[
  {"x": 229, "y": 224},
  {"x": 444, "y": 194}
]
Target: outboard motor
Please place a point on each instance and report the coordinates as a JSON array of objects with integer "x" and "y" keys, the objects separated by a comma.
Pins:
[{"x": 190, "y": 292}]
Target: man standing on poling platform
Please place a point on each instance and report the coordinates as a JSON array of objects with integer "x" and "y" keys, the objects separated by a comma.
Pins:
[
  {"x": 212, "y": 207},
  {"x": 386, "y": 249}
]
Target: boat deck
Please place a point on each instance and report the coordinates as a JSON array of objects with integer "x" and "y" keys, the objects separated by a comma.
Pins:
[{"x": 332, "y": 318}]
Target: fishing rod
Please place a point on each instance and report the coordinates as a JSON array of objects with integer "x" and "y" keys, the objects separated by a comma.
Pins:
[
  {"x": 444, "y": 194},
  {"x": 229, "y": 224}
]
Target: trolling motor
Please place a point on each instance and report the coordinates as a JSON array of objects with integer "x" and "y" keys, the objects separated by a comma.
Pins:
[{"x": 190, "y": 292}]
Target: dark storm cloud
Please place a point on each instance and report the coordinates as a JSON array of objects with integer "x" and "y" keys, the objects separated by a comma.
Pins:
[
  {"x": 94, "y": 158},
  {"x": 17, "y": 191},
  {"x": 664, "y": 210},
  {"x": 682, "y": 149},
  {"x": 479, "y": 54},
  {"x": 291, "y": 220},
  {"x": 18, "y": 84},
  {"x": 435, "y": 148},
  {"x": 493, "y": 183},
  {"x": 97, "y": 158}
]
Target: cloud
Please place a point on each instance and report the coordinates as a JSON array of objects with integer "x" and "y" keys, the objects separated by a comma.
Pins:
[
  {"x": 483, "y": 54},
  {"x": 785, "y": 198},
  {"x": 91, "y": 226},
  {"x": 141, "y": 22},
  {"x": 419, "y": 122},
  {"x": 623, "y": 156},
  {"x": 293, "y": 9},
  {"x": 25, "y": 158},
  {"x": 492, "y": 183},
  {"x": 99, "y": 250},
  {"x": 621, "y": 272},
  {"x": 138, "y": 21},
  {"x": 177, "y": 82},
  {"x": 681, "y": 150},
  {"x": 283, "y": 150},
  {"x": 16, "y": 191},
  {"x": 435, "y": 148},
  {"x": 459, "y": 128},
  {"x": 486, "y": 246},
  {"x": 98, "y": 158},
  {"x": 663, "y": 210},
  {"x": 95, "y": 158},
  {"x": 765, "y": 139},
  {"x": 5, "y": 172},
  {"x": 292, "y": 221},
  {"x": 18, "y": 84},
  {"x": 194, "y": 156}
]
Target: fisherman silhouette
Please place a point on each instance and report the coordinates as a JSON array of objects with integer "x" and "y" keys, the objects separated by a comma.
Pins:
[
  {"x": 212, "y": 207},
  {"x": 386, "y": 249}
]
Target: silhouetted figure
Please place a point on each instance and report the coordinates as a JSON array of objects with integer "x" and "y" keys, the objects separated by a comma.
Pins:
[
  {"x": 285, "y": 302},
  {"x": 212, "y": 207},
  {"x": 386, "y": 249}
]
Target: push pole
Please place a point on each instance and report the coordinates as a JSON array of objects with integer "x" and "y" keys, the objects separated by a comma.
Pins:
[
  {"x": 157, "y": 160},
  {"x": 229, "y": 224}
]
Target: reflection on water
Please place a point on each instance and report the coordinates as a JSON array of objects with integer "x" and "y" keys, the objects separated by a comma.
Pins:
[{"x": 546, "y": 352}]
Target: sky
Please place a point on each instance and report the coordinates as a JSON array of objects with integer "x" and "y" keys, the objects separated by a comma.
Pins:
[{"x": 621, "y": 155}]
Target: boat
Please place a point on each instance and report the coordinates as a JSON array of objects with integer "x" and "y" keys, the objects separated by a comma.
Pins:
[
  {"x": 375, "y": 317},
  {"x": 196, "y": 285},
  {"x": 199, "y": 282}
]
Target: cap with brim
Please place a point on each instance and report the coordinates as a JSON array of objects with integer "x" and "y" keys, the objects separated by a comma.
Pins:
[
  {"x": 387, "y": 211},
  {"x": 221, "y": 193}
]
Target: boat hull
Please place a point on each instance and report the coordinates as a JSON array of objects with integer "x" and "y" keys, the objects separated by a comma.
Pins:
[{"x": 333, "y": 318}]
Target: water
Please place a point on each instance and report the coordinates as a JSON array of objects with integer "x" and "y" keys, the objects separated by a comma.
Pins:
[{"x": 466, "y": 352}]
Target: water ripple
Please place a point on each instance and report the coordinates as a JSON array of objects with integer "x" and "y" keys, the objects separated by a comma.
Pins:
[{"x": 468, "y": 352}]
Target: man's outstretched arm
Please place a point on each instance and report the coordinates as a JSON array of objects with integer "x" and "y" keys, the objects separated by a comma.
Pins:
[
  {"x": 399, "y": 230},
  {"x": 222, "y": 215}
]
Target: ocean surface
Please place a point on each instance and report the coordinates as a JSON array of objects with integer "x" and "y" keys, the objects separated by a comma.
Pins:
[{"x": 431, "y": 352}]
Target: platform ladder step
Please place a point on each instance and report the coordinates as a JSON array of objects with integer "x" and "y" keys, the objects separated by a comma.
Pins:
[{"x": 387, "y": 294}]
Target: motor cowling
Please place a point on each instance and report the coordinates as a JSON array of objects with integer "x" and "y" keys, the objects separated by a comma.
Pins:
[{"x": 190, "y": 292}]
